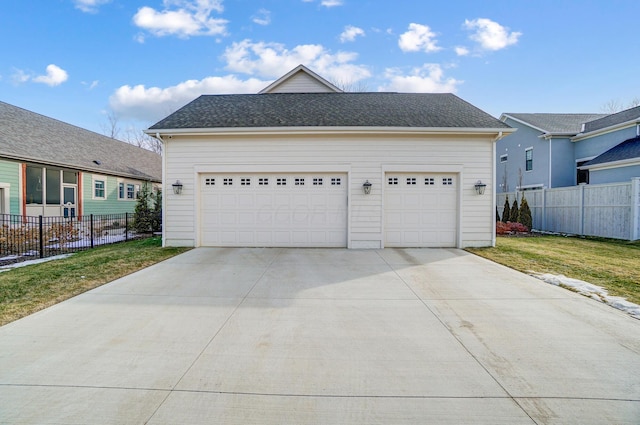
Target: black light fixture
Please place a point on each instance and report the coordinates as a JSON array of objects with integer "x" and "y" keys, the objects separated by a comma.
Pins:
[
  {"x": 177, "y": 187},
  {"x": 366, "y": 187},
  {"x": 480, "y": 187}
]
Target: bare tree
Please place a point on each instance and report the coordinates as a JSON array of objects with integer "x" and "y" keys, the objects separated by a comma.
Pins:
[
  {"x": 111, "y": 128},
  {"x": 615, "y": 105},
  {"x": 351, "y": 86},
  {"x": 505, "y": 180},
  {"x": 138, "y": 138}
]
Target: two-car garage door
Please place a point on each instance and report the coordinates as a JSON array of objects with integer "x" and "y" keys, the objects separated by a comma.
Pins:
[
  {"x": 271, "y": 210},
  {"x": 311, "y": 210}
]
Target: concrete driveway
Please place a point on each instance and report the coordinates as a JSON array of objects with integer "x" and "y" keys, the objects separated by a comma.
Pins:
[{"x": 323, "y": 336}]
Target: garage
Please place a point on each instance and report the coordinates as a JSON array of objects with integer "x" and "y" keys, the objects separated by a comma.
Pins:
[
  {"x": 273, "y": 210},
  {"x": 421, "y": 210}
]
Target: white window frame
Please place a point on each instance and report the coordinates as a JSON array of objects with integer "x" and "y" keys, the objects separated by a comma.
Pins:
[
  {"x": 504, "y": 158},
  {"x": 103, "y": 180}
]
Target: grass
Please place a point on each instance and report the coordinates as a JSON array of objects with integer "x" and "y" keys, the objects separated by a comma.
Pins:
[
  {"x": 612, "y": 264},
  {"x": 28, "y": 289}
]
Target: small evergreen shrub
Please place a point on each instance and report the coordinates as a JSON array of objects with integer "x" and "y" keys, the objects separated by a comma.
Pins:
[
  {"x": 506, "y": 210},
  {"x": 513, "y": 214},
  {"x": 148, "y": 213},
  {"x": 524, "y": 214}
]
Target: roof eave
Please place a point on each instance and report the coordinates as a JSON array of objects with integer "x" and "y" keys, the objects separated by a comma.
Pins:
[
  {"x": 613, "y": 164},
  {"x": 504, "y": 116},
  {"x": 327, "y": 130},
  {"x": 79, "y": 168},
  {"x": 629, "y": 123}
]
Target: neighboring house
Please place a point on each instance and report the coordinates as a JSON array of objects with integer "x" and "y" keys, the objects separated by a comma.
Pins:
[
  {"x": 559, "y": 150},
  {"x": 290, "y": 166},
  {"x": 51, "y": 168}
]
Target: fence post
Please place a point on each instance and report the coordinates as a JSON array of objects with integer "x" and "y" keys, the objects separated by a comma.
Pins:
[
  {"x": 41, "y": 239},
  {"x": 126, "y": 226},
  {"x": 91, "y": 227},
  {"x": 581, "y": 195},
  {"x": 635, "y": 208},
  {"x": 544, "y": 209}
]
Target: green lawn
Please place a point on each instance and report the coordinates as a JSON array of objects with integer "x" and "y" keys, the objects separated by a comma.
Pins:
[
  {"x": 28, "y": 289},
  {"x": 612, "y": 264}
]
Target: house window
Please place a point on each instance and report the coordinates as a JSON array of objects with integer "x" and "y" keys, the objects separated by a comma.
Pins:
[
  {"x": 317, "y": 181},
  {"x": 99, "y": 189},
  {"x": 582, "y": 175},
  {"x": 53, "y": 187},
  {"x": 528, "y": 159},
  {"x": 137, "y": 191},
  {"x": 503, "y": 158},
  {"x": 34, "y": 185},
  {"x": 120, "y": 190},
  {"x": 131, "y": 191}
]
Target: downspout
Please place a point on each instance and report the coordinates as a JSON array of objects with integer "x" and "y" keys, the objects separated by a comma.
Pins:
[
  {"x": 493, "y": 192},
  {"x": 550, "y": 162},
  {"x": 164, "y": 192}
]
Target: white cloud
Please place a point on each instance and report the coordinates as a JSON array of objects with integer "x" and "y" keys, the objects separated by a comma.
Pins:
[
  {"x": 350, "y": 33},
  {"x": 461, "y": 51},
  {"x": 426, "y": 79},
  {"x": 54, "y": 76},
  {"x": 90, "y": 86},
  {"x": 491, "y": 35},
  {"x": 19, "y": 76},
  {"x": 89, "y": 6},
  {"x": 331, "y": 3},
  {"x": 418, "y": 38},
  {"x": 182, "y": 18},
  {"x": 263, "y": 17},
  {"x": 154, "y": 103},
  {"x": 272, "y": 60}
]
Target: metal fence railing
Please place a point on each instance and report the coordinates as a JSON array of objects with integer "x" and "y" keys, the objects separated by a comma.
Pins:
[{"x": 40, "y": 237}]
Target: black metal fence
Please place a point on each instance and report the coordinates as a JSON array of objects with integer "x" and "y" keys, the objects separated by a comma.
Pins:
[{"x": 39, "y": 237}]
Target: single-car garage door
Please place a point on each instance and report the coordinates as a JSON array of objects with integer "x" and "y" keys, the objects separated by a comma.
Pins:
[
  {"x": 273, "y": 210},
  {"x": 421, "y": 210}
]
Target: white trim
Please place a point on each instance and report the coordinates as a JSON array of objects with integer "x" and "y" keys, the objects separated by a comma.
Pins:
[
  {"x": 613, "y": 164},
  {"x": 531, "y": 186},
  {"x": 5, "y": 202},
  {"x": 98, "y": 178},
  {"x": 294, "y": 71},
  {"x": 329, "y": 130}
]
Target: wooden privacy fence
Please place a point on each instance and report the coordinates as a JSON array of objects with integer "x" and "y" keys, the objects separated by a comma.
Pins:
[{"x": 605, "y": 210}]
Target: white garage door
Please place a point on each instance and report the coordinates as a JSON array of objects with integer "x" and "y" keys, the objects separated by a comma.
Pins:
[
  {"x": 421, "y": 210},
  {"x": 271, "y": 210}
]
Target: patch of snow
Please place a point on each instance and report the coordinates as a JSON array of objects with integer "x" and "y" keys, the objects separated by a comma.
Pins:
[
  {"x": 30, "y": 262},
  {"x": 590, "y": 290}
]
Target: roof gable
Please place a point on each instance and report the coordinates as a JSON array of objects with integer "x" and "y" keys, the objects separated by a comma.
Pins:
[
  {"x": 28, "y": 136},
  {"x": 301, "y": 80},
  {"x": 400, "y": 110}
]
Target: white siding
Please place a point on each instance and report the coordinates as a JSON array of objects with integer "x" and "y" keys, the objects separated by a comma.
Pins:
[
  {"x": 301, "y": 82},
  {"x": 361, "y": 157}
]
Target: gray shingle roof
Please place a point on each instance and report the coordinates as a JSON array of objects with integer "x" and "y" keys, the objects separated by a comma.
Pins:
[
  {"x": 628, "y": 149},
  {"x": 329, "y": 110},
  {"x": 613, "y": 119},
  {"x": 556, "y": 123},
  {"x": 27, "y": 136}
]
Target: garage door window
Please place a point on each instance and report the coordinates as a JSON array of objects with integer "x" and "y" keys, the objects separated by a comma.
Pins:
[
  {"x": 429, "y": 181},
  {"x": 209, "y": 182}
]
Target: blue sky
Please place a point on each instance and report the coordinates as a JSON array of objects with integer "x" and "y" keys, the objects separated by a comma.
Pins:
[{"x": 139, "y": 60}]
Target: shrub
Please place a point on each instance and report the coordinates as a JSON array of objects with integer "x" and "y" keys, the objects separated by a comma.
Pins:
[
  {"x": 497, "y": 215},
  {"x": 148, "y": 212},
  {"x": 524, "y": 214},
  {"x": 506, "y": 210},
  {"x": 513, "y": 214},
  {"x": 510, "y": 228}
]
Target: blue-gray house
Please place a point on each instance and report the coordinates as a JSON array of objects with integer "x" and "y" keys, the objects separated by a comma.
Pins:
[{"x": 558, "y": 150}]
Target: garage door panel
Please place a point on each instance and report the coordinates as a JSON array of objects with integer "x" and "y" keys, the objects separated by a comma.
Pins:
[
  {"x": 420, "y": 210},
  {"x": 273, "y": 210}
]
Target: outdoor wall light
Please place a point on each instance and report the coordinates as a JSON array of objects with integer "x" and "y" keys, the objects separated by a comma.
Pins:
[
  {"x": 177, "y": 187},
  {"x": 480, "y": 187},
  {"x": 366, "y": 187}
]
